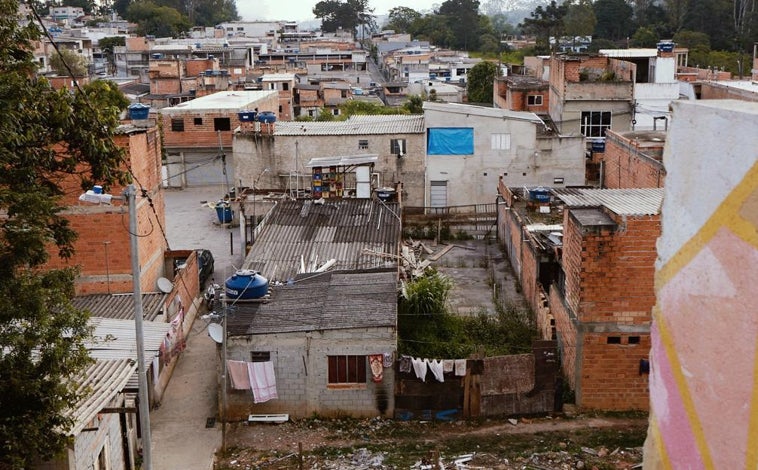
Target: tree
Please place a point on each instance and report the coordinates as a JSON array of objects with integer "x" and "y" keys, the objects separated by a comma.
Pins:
[
  {"x": 66, "y": 62},
  {"x": 156, "y": 20},
  {"x": 433, "y": 28},
  {"x": 108, "y": 45},
  {"x": 44, "y": 136},
  {"x": 463, "y": 20},
  {"x": 614, "y": 19},
  {"x": 212, "y": 12},
  {"x": 580, "y": 19},
  {"x": 481, "y": 79},
  {"x": 545, "y": 23},
  {"x": 414, "y": 105},
  {"x": 348, "y": 15},
  {"x": 402, "y": 18},
  {"x": 643, "y": 37}
]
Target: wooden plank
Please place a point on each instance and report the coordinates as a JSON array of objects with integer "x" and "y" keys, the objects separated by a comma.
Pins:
[{"x": 440, "y": 253}]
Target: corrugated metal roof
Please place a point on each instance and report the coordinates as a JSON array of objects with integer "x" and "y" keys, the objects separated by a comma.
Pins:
[
  {"x": 121, "y": 306},
  {"x": 326, "y": 301},
  {"x": 640, "y": 201},
  {"x": 458, "y": 108},
  {"x": 100, "y": 383},
  {"x": 346, "y": 160},
  {"x": 116, "y": 339},
  {"x": 356, "y": 125},
  {"x": 339, "y": 229}
]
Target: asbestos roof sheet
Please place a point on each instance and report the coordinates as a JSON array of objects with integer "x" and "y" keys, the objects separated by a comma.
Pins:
[
  {"x": 117, "y": 339},
  {"x": 356, "y": 125},
  {"x": 222, "y": 101},
  {"x": 324, "y": 301},
  {"x": 347, "y": 160},
  {"x": 100, "y": 383},
  {"x": 121, "y": 306},
  {"x": 632, "y": 202},
  {"x": 302, "y": 231}
]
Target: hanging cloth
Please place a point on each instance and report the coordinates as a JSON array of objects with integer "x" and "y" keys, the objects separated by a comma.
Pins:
[
  {"x": 376, "y": 362},
  {"x": 436, "y": 367},
  {"x": 262, "y": 381},
  {"x": 419, "y": 367}
]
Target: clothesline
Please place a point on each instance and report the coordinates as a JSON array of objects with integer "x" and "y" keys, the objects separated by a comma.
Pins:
[{"x": 438, "y": 367}]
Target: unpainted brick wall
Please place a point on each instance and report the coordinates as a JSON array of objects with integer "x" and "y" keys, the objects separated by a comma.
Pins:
[
  {"x": 626, "y": 167},
  {"x": 611, "y": 378}
]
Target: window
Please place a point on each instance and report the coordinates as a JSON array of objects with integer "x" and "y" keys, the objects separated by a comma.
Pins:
[
  {"x": 614, "y": 340},
  {"x": 177, "y": 125},
  {"x": 347, "y": 369},
  {"x": 336, "y": 111},
  {"x": 397, "y": 146},
  {"x": 594, "y": 123},
  {"x": 363, "y": 144},
  {"x": 222, "y": 124},
  {"x": 501, "y": 141},
  {"x": 557, "y": 180},
  {"x": 198, "y": 121},
  {"x": 534, "y": 100},
  {"x": 450, "y": 141},
  {"x": 285, "y": 86},
  {"x": 260, "y": 356}
]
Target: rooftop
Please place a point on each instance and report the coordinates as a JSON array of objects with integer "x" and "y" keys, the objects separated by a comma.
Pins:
[
  {"x": 356, "y": 125},
  {"x": 121, "y": 306},
  {"x": 631, "y": 202},
  {"x": 457, "y": 108},
  {"x": 305, "y": 232},
  {"x": 326, "y": 301},
  {"x": 223, "y": 101}
]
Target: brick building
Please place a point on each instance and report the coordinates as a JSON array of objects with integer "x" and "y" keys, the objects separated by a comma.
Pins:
[
  {"x": 522, "y": 93},
  {"x": 103, "y": 247},
  {"x": 585, "y": 259},
  {"x": 199, "y": 132},
  {"x": 589, "y": 94},
  {"x": 632, "y": 159}
]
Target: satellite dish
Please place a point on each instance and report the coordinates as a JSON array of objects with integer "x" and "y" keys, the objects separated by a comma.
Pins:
[
  {"x": 216, "y": 332},
  {"x": 165, "y": 285}
]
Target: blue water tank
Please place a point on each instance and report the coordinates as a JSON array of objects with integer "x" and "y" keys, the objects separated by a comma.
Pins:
[
  {"x": 539, "y": 194},
  {"x": 246, "y": 284},
  {"x": 267, "y": 116},
  {"x": 138, "y": 111},
  {"x": 247, "y": 116}
]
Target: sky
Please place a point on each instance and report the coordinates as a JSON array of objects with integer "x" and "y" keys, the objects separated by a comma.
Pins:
[{"x": 302, "y": 10}]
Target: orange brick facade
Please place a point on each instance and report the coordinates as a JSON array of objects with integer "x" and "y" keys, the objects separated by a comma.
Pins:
[
  {"x": 603, "y": 315},
  {"x": 627, "y": 165},
  {"x": 103, "y": 249}
]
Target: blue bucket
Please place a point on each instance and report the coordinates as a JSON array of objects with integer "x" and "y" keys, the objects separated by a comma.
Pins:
[{"x": 224, "y": 213}]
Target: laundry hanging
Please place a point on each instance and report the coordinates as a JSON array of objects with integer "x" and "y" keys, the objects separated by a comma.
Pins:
[
  {"x": 238, "y": 374},
  {"x": 376, "y": 363},
  {"x": 419, "y": 367},
  {"x": 436, "y": 367},
  {"x": 262, "y": 381}
]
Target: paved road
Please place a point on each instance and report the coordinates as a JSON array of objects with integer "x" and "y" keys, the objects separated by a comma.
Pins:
[{"x": 180, "y": 437}]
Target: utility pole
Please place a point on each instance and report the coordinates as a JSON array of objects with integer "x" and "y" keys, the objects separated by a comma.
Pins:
[{"x": 144, "y": 404}]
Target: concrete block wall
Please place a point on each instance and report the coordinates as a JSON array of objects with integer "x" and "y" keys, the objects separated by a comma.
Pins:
[
  {"x": 301, "y": 369},
  {"x": 610, "y": 371},
  {"x": 285, "y": 154}
]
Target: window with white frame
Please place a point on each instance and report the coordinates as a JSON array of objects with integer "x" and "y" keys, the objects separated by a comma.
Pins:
[
  {"x": 594, "y": 123},
  {"x": 534, "y": 100},
  {"x": 501, "y": 141}
]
